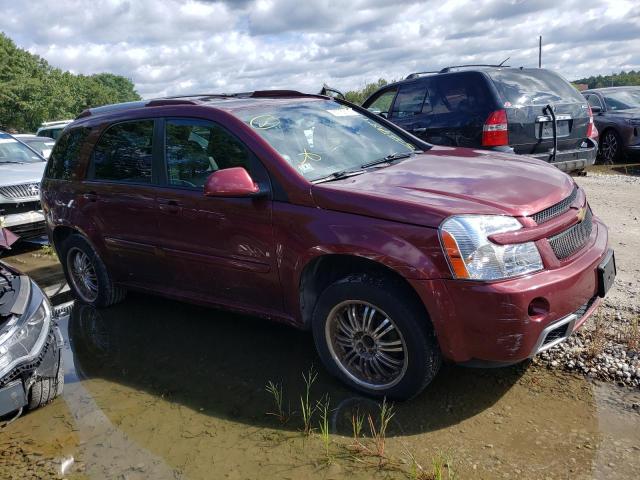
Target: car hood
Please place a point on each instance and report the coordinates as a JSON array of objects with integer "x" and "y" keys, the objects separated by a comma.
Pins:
[
  {"x": 628, "y": 113},
  {"x": 17, "y": 173},
  {"x": 427, "y": 188}
]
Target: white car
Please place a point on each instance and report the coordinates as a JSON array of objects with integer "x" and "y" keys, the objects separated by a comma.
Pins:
[
  {"x": 52, "y": 129},
  {"x": 42, "y": 145},
  {"x": 21, "y": 170}
]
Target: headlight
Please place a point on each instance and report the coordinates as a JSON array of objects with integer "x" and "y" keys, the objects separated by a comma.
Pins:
[
  {"x": 471, "y": 255},
  {"x": 24, "y": 337}
]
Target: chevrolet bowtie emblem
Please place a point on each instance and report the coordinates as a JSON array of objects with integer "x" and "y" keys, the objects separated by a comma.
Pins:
[{"x": 581, "y": 214}]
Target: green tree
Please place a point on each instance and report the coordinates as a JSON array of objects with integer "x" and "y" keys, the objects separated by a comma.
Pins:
[
  {"x": 621, "y": 79},
  {"x": 360, "y": 95},
  {"x": 32, "y": 91}
]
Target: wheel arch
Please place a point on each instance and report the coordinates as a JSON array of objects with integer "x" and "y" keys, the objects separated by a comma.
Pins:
[{"x": 321, "y": 271}]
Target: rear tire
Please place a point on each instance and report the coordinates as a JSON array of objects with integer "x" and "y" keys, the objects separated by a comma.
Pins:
[
  {"x": 87, "y": 274},
  {"x": 392, "y": 352}
]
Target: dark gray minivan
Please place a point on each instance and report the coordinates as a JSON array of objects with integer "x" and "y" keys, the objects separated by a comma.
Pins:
[{"x": 529, "y": 111}]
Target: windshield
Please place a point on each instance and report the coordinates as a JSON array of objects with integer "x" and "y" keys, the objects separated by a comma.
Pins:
[
  {"x": 623, "y": 99},
  {"x": 12, "y": 151},
  {"x": 533, "y": 87},
  {"x": 43, "y": 146},
  {"x": 320, "y": 138}
]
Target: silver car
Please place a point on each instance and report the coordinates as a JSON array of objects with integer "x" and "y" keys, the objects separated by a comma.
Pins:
[{"x": 21, "y": 170}]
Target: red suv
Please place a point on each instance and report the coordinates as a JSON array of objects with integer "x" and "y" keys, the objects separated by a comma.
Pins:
[{"x": 317, "y": 213}]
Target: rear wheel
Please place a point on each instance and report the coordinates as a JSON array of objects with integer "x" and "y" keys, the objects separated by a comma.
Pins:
[
  {"x": 87, "y": 274},
  {"x": 375, "y": 337},
  {"x": 610, "y": 148}
]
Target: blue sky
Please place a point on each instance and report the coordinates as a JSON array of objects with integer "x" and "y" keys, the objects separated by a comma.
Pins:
[{"x": 173, "y": 46}]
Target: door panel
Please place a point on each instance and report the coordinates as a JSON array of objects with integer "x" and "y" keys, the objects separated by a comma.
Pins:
[{"x": 218, "y": 248}]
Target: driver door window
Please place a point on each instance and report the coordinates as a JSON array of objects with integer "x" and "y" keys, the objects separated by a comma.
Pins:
[
  {"x": 194, "y": 149},
  {"x": 382, "y": 104},
  {"x": 594, "y": 101}
]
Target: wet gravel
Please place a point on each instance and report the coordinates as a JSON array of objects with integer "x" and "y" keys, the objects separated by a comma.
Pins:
[{"x": 26, "y": 462}]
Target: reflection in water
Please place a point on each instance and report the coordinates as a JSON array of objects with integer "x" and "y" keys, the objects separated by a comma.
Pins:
[
  {"x": 209, "y": 360},
  {"x": 159, "y": 389}
]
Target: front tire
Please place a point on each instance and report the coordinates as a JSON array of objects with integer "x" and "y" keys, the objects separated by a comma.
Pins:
[
  {"x": 610, "y": 148},
  {"x": 87, "y": 274},
  {"x": 376, "y": 337}
]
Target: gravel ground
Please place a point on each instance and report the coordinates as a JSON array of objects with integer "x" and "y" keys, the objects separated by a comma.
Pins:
[{"x": 607, "y": 347}]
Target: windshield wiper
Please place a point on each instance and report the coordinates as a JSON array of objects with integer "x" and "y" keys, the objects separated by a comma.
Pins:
[
  {"x": 338, "y": 175},
  {"x": 11, "y": 161},
  {"x": 387, "y": 159}
]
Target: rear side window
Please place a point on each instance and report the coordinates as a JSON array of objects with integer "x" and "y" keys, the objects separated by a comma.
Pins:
[
  {"x": 65, "y": 154},
  {"x": 195, "y": 149},
  {"x": 124, "y": 153},
  {"x": 410, "y": 100},
  {"x": 533, "y": 87},
  {"x": 594, "y": 101},
  {"x": 459, "y": 94}
]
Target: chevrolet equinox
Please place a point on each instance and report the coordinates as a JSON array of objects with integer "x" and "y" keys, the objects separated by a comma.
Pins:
[{"x": 312, "y": 211}]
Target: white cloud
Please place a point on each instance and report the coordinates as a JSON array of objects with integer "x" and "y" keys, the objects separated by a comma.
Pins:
[{"x": 173, "y": 46}]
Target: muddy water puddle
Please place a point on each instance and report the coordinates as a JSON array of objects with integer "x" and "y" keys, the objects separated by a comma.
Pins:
[{"x": 160, "y": 389}]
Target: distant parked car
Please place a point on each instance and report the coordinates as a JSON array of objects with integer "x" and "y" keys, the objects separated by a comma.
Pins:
[
  {"x": 499, "y": 108},
  {"x": 617, "y": 116},
  {"x": 43, "y": 145},
  {"x": 31, "y": 373},
  {"x": 21, "y": 170},
  {"x": 52, "y": 129},
  {"x": 320, "y": 214}
]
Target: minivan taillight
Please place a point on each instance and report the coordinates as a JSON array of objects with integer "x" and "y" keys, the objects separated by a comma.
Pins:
[
  {"x": 495, "y": 129},
  {"x": 592, "y": 131}
]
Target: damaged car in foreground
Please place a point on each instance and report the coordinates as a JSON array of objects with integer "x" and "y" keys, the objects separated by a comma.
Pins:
[
  {"x": 31, "y": 373},
  {"x": 315, "y": 212}
]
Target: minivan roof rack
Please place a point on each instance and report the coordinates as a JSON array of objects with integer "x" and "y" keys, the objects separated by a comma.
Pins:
[
  {"x": 55, "y": 122},
  {"x": 417, "y": 74}
]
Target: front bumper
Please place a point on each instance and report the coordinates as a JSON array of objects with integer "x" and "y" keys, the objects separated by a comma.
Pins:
[
  {"x": 27, "y": 225},
  {"x": 572, "y": 160},
  {"x": 490, "y": 322}
]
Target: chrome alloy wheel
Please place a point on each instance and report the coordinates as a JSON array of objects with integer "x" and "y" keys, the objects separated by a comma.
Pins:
[
  {"x": 609, "y": 148},
  {"x": 83, "y": 275},
  {"x": 366, "y": 344}
]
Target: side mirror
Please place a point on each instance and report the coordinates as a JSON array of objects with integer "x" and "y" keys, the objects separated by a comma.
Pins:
[
  {"x": 596, "y": 109},
  {"x": 230, "y": 182}
]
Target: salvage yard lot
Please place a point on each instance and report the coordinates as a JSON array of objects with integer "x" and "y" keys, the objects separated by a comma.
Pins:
[{"x": 158, "y": 389}]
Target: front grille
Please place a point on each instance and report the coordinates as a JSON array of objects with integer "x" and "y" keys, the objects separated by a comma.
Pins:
[
  {"x": 20, "y": 192},
  {"x": 555, "y": 210},
  {"x": 556, "y": 334},
  {"x": 573, "y": 239},
  {"x": 20, "y": 207},
  {"x": 29, "y": 230}
]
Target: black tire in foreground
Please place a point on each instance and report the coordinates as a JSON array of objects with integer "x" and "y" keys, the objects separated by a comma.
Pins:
[
  {"x": 87, "y": 274},
  {"x": 376, "y": 337}
]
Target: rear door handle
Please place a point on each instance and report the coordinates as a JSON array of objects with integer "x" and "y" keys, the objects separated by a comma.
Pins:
[
  {"x": 91, "y": 196},
  {"x": 169, "y": 206},
  {"x": 419, "y": 130}
]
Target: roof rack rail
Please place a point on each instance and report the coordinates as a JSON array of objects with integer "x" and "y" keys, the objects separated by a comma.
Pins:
[
  {"x": 417, "y": 74},
  {"x": 55, "y": 122},
  {"x": 448, "y": 69}
]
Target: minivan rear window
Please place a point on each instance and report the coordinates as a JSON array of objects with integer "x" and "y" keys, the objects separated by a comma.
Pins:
[{"x": 533, "y": 87}]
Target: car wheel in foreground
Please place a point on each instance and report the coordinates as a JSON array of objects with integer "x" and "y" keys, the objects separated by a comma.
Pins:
[
  {"x": 45, "y": 390},
  {"x": 87, "y": 274},
  {"x": 375, "y": 337},
  {"x": 610, "y": 148}
]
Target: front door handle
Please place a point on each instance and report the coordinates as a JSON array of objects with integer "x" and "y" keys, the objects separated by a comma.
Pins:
[
  {"x": 91, "y": 196},
  {"x": 419, "y": 130},
  {"x": 169, "y": 206}
]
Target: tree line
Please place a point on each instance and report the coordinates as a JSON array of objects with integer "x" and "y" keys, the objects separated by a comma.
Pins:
[{"x": 32, "y": 91}]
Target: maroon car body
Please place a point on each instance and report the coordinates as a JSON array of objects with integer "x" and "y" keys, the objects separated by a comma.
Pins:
[{"x": 273, "y": 253}]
